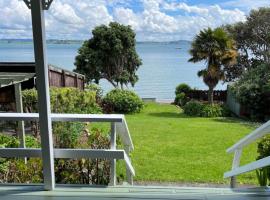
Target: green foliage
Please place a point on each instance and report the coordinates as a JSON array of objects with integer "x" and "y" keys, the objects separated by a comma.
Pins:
[
  {"x": 15, "y": 170},
  {"x": 7, "y": 141},
  {"x": 216, "y": 48},
  {"x": 86, "y": 171},
  {"x": 97, "y": 89},
  {"x": 193, "y": 108},
  {"x": 253, "y": 89},
  {"x": 263, "y": 149},
  {"x": 122, "y": 101},
  {"x": 253, "y": 42},
  {"x": 110, "y": 54},
  {"x": 64, "y": 100},
  {"x": 181, "y": 94},
  {"x": 198, "y": 109},
  {"x": 182, "y": 88}
]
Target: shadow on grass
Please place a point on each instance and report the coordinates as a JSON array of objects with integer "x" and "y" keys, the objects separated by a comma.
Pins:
[
  {"x": 169, "y": 115},
  {"x": 234, "y": 120}
]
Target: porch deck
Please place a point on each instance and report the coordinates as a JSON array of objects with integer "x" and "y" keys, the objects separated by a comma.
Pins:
[{"x": 130, "y": 192}]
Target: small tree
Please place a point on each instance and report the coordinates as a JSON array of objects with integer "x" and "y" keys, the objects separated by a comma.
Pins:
[
  {"x": 110, "y": 54},
  {"x": 217, "y": 49}
]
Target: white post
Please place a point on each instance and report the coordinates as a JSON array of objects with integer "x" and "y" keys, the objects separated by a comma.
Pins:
[
  {"x": 43, "y": 93},
  {"x": 128, "y": 174},
  {"x": 19, "y": 109},
  {"x": 235, "y": 164},
  {"x": 113, "y": 161}
]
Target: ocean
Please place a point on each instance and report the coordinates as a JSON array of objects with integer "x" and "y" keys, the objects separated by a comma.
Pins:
[{"x": 165, "y": 65}]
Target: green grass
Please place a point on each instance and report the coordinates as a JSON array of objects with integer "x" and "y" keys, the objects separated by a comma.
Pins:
[{"x": 171, "y": 147}]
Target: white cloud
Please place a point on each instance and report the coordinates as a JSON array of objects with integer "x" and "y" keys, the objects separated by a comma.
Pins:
[
  {"x": 246, "y": 5},
  {"x": 69, "y": 19}
]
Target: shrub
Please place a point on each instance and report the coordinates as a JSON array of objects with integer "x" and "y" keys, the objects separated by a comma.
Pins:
[
  {"x": 182, "y": 88},
  {"x": 198, "y": 109},
  {"x": 253, "y": 89},
  {"x": 97, "y": 89},
  {"x": 63, "y": 100},
  {"x": 67, "y": 171},
  {"x": 263, "y": 150},
  {"x": 122, "y": 101},
  {"x": 181, "y": 92},
  {"x": 181, "y": 99},
  {"x": 212, "y": 111},
  {"x": 193, "y": 108},
  {"x": 15, "y": 170}
]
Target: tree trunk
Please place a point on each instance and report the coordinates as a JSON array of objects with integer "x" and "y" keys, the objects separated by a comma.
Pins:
[{"x": 211, "y": 95}]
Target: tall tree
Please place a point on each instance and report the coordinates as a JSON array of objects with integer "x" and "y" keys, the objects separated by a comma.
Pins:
[
  {"x": 253, "y": 42},
  {"x": 110, "y": 54},
  {"x": 217, "y": 49}
]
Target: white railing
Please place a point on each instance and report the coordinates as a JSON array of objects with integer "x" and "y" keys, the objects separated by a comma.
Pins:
[
  {"x": 118, "y": 126},
  {"x": 237, "y": 150}
]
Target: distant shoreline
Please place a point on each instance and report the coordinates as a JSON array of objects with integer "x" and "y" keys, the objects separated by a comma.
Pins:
[{"x": 55, "y": 41}]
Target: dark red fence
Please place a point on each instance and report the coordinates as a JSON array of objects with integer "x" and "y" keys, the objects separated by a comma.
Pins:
[{"x": 202, "y": 95}]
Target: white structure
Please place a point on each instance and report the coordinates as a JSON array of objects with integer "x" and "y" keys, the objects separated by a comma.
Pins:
[
  {"x": 237, "y": 150},
  {"x": 45, "y": 117}
]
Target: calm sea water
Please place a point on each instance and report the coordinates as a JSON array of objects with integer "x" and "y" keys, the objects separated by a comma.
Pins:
[{"x": 165, "y": 65}]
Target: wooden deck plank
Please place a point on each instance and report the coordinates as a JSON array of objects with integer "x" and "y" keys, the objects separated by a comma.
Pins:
[{"x": 128, "y": 192}]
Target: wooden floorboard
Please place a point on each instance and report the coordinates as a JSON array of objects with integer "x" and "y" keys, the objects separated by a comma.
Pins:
[{"x": 134, "y": 193}]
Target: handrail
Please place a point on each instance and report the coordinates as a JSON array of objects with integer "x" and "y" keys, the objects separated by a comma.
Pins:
[
  {"x": 117, "y": 118},
  {"x": 237, "y": 149},
  {"x": 118, "y": 125},
  {"x": 258, "y": 133}
]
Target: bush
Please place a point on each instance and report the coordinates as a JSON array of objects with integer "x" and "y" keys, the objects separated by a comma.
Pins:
[
  {"x": 263, "y": 150},
  {"x": 198, "y": 109},
  {"x": 193, "y": 108},
  {"x": 253, "y": 91},
  {"x": 64, "y": 100},
  {"x": 181, "y": 92},
  {"x": 122, "y": 101},
  {"x": 67, "y": 171},
  {"x": 181, "y": 99},
  {"x": 182, "y": 88}
]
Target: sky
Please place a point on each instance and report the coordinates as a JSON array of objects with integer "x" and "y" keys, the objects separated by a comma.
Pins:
[{"x": 152, "y": 20}]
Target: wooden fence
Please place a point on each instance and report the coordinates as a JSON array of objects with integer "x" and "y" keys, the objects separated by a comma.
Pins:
[
  {"x": 57, "y": 78},
  {"x": 202, "y": 95}
]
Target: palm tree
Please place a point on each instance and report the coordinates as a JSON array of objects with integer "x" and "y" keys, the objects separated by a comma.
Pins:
[{"x": 218, "y": 50}]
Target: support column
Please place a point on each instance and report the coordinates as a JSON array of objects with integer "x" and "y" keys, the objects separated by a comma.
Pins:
[
  {"x": 19, "y": 109},
  {"x": 43, "y": 93},
  {"x": 128, "y": 174},
  {"x": 113, "y": 161},
  {"x": 236, "y": 162}
]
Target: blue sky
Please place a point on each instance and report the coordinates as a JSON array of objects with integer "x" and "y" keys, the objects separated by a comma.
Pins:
[{"x": 152, "y": 20}]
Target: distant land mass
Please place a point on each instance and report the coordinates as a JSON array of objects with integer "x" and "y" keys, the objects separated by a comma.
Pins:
[{"x": 56, "y": 41}]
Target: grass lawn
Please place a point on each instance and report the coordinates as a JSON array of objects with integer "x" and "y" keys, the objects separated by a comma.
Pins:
[{"x": 171, "y": 147}]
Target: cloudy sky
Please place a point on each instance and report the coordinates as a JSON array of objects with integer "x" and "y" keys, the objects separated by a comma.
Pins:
[{"x": 153, "y": 20}]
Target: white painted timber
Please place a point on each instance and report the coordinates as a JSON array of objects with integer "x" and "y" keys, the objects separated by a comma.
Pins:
[
  {"x": 44, "y": 107},
  {"x": 123, "y": 131},
  {"x": 19, "y": 153},
  {"x": 113, "y": 161},
  {"x": 87, "y": 117},
  {"x": 249, "y": 167},
  {"x": 69, "y": 153},
  {"x": 258, "y": 133}
]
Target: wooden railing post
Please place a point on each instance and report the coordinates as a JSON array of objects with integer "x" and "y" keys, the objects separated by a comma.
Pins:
[
  {"x": 128, "y": 174},
  {"x": 235, "y": 164},
  {"x": 113, "y": 161}
]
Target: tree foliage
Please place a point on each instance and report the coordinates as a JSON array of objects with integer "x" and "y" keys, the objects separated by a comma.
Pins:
[
  {"x": 110, "y": 54},
  {"x": 217, "y": 49},
  {"x": 253, "y": 42},
  {"x": 253, "y": 90}
]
